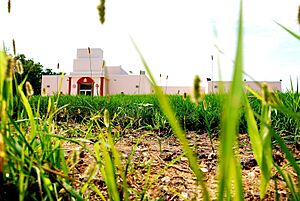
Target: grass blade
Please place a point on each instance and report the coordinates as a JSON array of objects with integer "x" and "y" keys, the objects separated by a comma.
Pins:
[
  {"x": 29, "y": 112},
  {"x": 291, "y": 32},
  {"x": 110, "y": 176},
  {"x": 289, "y": 183},
  {"x": 72, "y": 191},
  {"x": 253, "y": 132},
  {"x": 165, "y": 106},
  {"x": 97, "y": 191},
  {"x": 230, "y": 119}
]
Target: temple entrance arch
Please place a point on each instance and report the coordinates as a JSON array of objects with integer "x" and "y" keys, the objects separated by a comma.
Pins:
[{"x": 85, "y": 86}]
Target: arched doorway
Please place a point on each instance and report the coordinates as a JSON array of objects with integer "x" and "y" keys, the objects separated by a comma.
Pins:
[{"x": 85, "y": 86}]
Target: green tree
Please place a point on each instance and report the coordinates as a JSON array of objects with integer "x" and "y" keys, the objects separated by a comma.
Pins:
[
  {"x": 33, "y": 71},
  {"x": 49, "y": 71}
]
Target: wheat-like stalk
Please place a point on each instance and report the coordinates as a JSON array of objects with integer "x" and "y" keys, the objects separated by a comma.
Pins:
[
  {"x": 10, "y": 67},
  {"x": 29, "y": 89},
  {"x": 2, "y": 153},
  {"x": 196, "y": 89},
  {"x": 106, "y": 118},
  {"x": 14, "y": 47},
  {"x": 8, "y": 6},
  {"x": 298, "y": 15},
  {"x": 101, "y": 11},
  {"x": 19, "y": 67}
]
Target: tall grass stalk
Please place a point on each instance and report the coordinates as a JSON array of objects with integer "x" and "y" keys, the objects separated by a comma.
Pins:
[
  {"x": 289, "y": 31},
  {"x": 166, "y": 108},
  {"x": 229, "y": 164},
  {"x": 261, "y": 139}
]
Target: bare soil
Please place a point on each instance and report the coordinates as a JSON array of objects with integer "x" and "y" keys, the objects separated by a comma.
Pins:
[{"x": 178, "y": 181}]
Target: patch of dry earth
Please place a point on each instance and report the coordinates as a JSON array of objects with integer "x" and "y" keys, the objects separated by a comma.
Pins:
[{"x": 178, "y": 178}]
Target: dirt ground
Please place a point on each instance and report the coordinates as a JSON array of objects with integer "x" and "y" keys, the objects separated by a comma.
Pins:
[{"x": 178, "y": 181}]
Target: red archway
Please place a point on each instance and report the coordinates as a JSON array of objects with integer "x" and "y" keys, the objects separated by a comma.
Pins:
[{"x": 85, "y": 86}]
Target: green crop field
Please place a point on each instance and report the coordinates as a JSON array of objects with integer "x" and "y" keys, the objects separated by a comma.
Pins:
[{"x": 143, "y": 111}]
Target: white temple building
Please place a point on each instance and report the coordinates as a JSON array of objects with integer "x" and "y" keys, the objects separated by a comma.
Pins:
[{"x": 90, "y": 76}]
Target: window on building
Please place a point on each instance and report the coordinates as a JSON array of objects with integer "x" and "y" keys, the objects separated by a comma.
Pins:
[{"x": 85, "y": 89}]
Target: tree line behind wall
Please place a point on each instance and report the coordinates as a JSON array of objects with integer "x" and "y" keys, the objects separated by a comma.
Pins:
[{"x": 34, "y": 71}]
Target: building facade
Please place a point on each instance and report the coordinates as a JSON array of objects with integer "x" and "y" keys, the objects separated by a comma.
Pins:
[
  {"x": 90, "y": 76},
  {"x": 180, "y": 90},
  {"x": 217, "y": 86}
]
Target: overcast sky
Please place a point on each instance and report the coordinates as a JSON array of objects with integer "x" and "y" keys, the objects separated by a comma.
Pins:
[{"x": 176, "y": 37}]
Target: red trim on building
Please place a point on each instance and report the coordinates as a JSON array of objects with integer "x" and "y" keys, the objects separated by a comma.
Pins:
[
  {"x": 85, "y": 80},
  {"x": 101, "y": 85},
  {"x": 69, "y": 90}
]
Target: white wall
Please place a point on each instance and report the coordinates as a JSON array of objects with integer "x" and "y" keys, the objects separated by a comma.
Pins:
[
  {"x": 94, "y": 53},
  {"x": 129, "y": 84},
  {"x": 51, "y": 83},
  {"x": 175, "y": 89},
  {"x": 86, "y": 62},
  {"x": 115, "y": 70},
  {"x": 274, "y": 86},
  {"x": 83, "y": 65},
  {"x": 214, "y": 86}
]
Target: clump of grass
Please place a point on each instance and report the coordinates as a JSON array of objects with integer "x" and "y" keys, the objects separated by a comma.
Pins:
[{"x": 32, "y": 162}]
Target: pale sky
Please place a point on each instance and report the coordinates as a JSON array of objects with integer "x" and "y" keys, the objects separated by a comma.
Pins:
[{"x": 176, "y": 37}]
